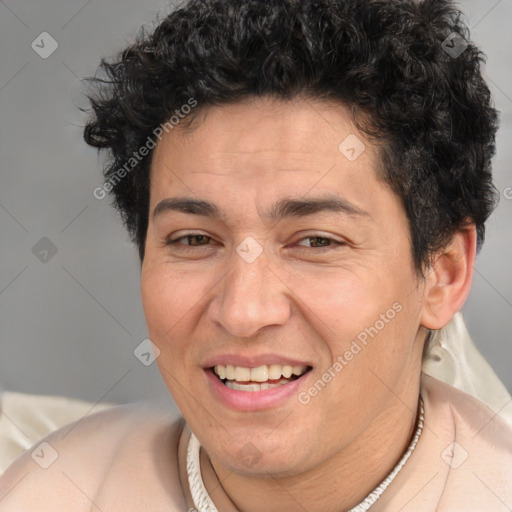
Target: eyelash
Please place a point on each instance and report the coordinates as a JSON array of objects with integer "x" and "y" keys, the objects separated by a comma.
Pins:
[{"x": 332, "y": 242}]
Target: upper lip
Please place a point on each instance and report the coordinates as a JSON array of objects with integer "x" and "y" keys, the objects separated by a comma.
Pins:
[{"x": 253, "y": 361}]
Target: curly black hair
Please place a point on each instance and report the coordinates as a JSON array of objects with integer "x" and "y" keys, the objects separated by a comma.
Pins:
[{"x": 406, "y": 69}]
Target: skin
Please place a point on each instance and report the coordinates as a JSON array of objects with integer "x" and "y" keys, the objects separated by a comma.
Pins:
[{"x": 299, "y": 298}]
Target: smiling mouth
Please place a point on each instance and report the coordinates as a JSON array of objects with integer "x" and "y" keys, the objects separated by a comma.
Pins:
[{"x": 263, "y": 377}]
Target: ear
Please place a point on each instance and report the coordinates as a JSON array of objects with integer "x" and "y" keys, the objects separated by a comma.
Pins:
[{"x": 449, "y": 280}]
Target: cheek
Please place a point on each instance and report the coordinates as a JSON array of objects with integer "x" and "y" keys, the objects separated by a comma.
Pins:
[
  {"x": 172, "y": 305},
  {"x": 170, "y": 300},
  {"x": 338, "y": 301}
]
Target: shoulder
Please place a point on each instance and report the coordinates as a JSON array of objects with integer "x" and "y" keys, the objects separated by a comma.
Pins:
[
  {"x": 26, "y": 418},
  {"x": 470, "y": 416},
  {"x": 476, "y": 449},
  {"x": 123, "y": 452}
]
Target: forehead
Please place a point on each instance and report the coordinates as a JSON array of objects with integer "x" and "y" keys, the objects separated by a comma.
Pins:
[
  {"x": 267, "y": 147},
  {"x": 272, "y": 124}
]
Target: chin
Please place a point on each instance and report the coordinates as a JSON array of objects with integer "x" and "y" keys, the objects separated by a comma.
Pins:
[{"x": 263, "y": 453}]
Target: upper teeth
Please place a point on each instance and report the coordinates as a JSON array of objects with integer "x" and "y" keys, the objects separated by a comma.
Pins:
[{"x": 258, "y": 374}]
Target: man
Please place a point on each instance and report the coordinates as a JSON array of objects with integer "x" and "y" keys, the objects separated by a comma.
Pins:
[{"x": 307, "y": 183}]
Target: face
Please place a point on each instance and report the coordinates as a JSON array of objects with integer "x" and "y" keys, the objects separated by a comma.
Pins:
[{"x": 272, "y": 243}]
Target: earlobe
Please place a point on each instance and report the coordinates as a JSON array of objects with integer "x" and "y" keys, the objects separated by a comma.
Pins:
[{"x": 448, "y": 282}]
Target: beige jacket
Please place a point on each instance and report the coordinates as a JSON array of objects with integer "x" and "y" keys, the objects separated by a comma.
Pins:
[
  {"x": 133, "y": 457},
  {"x": 128, "y": 458}
]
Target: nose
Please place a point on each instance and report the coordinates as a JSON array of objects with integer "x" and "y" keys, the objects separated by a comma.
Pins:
[{"x": 251, "y": 297}]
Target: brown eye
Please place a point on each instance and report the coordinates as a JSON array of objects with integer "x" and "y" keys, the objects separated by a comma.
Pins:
[
  {"x": 196, "y": 240},
  {"x": 319, "y": 242}
]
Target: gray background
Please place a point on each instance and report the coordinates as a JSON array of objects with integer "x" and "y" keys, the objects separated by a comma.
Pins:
[{"x": 69, "y": 326}]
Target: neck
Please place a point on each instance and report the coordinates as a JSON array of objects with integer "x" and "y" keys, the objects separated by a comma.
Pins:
[{"x": 342, "y": 481}]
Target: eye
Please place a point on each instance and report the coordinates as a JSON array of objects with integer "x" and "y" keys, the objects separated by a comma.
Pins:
[
  {"x": 192, "y": 240},
  {"x": 320, "y": 242}
]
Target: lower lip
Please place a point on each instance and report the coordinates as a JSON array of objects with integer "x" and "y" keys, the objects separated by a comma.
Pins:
[{"x": 253, "y": 400}]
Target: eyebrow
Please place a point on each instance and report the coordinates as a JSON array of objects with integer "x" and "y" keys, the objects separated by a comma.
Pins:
[{"x": 284, "y": 208}]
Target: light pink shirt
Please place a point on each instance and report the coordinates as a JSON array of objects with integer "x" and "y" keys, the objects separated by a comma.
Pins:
[{"x": 132, "y": 458}]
